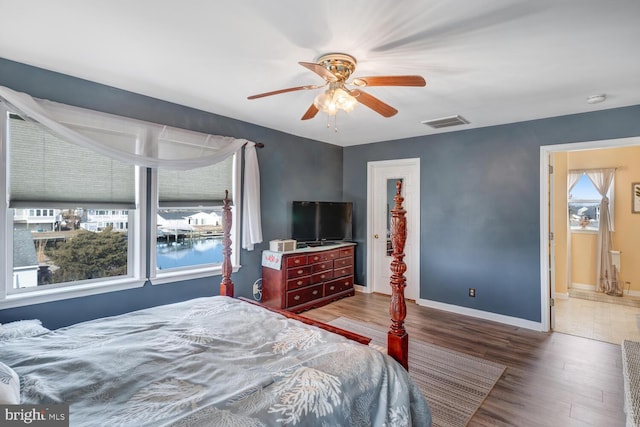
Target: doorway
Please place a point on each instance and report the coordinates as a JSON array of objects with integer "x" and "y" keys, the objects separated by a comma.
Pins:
[
  {"x": 381, "y": 180},
  {"x": 573, "y": 315}
]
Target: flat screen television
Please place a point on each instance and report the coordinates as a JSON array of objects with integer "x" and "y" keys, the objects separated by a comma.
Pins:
[{"x": 314, "y": 221}]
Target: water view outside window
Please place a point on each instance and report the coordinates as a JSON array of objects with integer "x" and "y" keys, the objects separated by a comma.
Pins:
[
  {"x": 188, "y": 238},
  {"x": 584, "y": 205}
]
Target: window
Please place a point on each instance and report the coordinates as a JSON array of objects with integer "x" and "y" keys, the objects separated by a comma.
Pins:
[
  {"x": 189, "y": 218},
  {"x": 75, "y": 187},
  {"x": 584, "y": 205},
  {"x": 62, "y": 246}
]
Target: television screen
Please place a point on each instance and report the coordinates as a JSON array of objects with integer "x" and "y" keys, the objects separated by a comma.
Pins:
[
  {"x": 321, "y": 221},
  {"x": 304, "y": 217},
  {"x": 335, "y": 221}
]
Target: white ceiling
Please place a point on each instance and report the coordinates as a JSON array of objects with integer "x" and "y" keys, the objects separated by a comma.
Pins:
[{"x": 491, "y": 61}]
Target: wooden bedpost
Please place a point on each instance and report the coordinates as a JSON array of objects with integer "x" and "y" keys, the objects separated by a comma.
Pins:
[
  {"x": 226, "y": 285},
  {"x": 397, "y": 337}
]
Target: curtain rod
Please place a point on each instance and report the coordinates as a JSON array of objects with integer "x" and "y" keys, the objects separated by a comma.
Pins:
[{"x": 594, "y": 169}]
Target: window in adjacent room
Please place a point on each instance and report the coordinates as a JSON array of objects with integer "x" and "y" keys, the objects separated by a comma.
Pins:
[{"x": 584, "y": 205}]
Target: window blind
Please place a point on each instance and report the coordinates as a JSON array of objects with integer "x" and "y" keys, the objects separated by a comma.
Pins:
[
  {"x": 199, "y": 187},
  {"x": 47, "y": 171}
]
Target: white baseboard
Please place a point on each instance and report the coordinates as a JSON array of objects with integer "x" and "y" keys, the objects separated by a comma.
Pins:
[
  {"x": 562, "y": 295},
  {"x": 513, "y": 321},
  {"x": 592, "y": 288},
  {"x": 363, "y": 289},
  {"x": 583, "y": 287},
  {"x": 631, "y": 293}
]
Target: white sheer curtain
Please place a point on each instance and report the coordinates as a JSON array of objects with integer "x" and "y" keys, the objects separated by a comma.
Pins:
[
  {"x": 607, "y": 280},
  {"x": 251, "y": 230},
  {"x": 157, "y": 146},
  {"x": 572, "y": 179}
]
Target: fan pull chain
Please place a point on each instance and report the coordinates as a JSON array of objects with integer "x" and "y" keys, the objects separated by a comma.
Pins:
[{"x": 335, "y": 122}]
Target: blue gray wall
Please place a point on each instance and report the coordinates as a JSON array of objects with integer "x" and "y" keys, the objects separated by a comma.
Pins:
[
  {"x": 480, "y": 205},
  {"x": 292, "y": 168}
]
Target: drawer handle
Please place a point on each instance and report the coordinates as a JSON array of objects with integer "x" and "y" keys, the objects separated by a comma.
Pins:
[
  {"x": 297, "y": 297},
  {"x": 322, "y": 276},
  {"x": 315, "y": 292},
  {"x": 300, "y": 271},
  {"x": 299, "y": 282},
  {"x": 296, "y": 261},
  {"x": 331, "y": 288},
  {"x": 315, "y": 258}
]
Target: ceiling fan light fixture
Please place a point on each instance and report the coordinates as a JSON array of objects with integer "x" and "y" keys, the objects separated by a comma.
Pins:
[
  {"x": 343, "y": 100},
  {"x": 334, "y": 99},
  {"x": 336, "y": 69}
]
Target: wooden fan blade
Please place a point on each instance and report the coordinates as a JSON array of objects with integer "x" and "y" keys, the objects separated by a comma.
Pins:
[
  {"x": 390, "y": 81},
  {"x": 319, "y": 70},
  {"x": 311, "y": 113},
  {"x": 374, "y": 103},
  {"x": 276, "y": 92}
]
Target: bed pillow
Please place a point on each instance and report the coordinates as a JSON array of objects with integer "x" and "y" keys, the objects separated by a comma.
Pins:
[
  {"x": 22, "y": 328},
  {"x": 9, "y": 386}
]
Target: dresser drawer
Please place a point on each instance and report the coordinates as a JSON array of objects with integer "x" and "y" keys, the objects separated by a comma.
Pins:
[
  {"x": 343, "y": 271},
  {"x": 322, "y": 266},
  {"x": 338, "y": 285},
  {"x": 300, "y": 296},
  {"x": 320, "y": 256},
  {"x": 333, "y": 254},
  {"x": 324, "y": 256},
  {"x": 297, "y": 260},
  {"x": 322, "y": 276},
  {"x": 343, "y": 262},
  {"x": 292, "y": 273},
  {"x": 345, "y": 252},
  {"x": 298, "y": 282}
]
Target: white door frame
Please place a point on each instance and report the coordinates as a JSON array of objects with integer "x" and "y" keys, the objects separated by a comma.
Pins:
[
  {"x": 546, "y": 205},
  {"x": 403, "y": 168}
]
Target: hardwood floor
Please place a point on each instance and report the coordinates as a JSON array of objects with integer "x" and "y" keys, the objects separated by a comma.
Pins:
[{"x": 552, "y": 379}]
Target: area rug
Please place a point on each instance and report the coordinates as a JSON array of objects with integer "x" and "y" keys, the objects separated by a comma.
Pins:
[{"x": 454, "y": 384}]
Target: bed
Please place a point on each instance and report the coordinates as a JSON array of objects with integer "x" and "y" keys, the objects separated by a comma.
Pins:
[{"x": 209, "y": 361}]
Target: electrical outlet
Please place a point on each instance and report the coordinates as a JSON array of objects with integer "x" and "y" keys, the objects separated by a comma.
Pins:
[{"x": 472, "y": 292}]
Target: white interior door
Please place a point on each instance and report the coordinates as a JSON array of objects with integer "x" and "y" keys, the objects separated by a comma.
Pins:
[{"x": 381, "y": 188}]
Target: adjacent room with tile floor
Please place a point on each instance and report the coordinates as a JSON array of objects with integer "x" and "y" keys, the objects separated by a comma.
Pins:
[{"x": 604, "y": 321}]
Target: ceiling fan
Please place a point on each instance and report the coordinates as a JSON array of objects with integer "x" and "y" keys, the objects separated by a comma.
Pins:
[{"x": 335, "y": 69}]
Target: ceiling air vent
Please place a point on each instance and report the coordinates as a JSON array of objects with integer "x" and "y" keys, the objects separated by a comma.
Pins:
[{"x": 445, "y": 122}]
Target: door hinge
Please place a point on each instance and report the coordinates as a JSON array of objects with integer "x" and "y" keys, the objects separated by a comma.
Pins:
[
  {"x": 550, "y": 169},
  {"x": 552, "y": 302},
  {"x": 551, "y": 235}
]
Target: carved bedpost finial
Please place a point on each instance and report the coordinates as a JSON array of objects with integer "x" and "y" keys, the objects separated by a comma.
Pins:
[
  {"x": 226, "y": 285},
  {"x": 397, "y": 337}
]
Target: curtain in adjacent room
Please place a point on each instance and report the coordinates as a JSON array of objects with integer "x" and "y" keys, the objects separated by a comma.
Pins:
[
  {"x": 607, "y": 278},
  {"x": 572, "y": 179}
]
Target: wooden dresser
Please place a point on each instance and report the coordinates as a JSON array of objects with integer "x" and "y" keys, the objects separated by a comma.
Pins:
[{"x": 307, "y": 278}]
